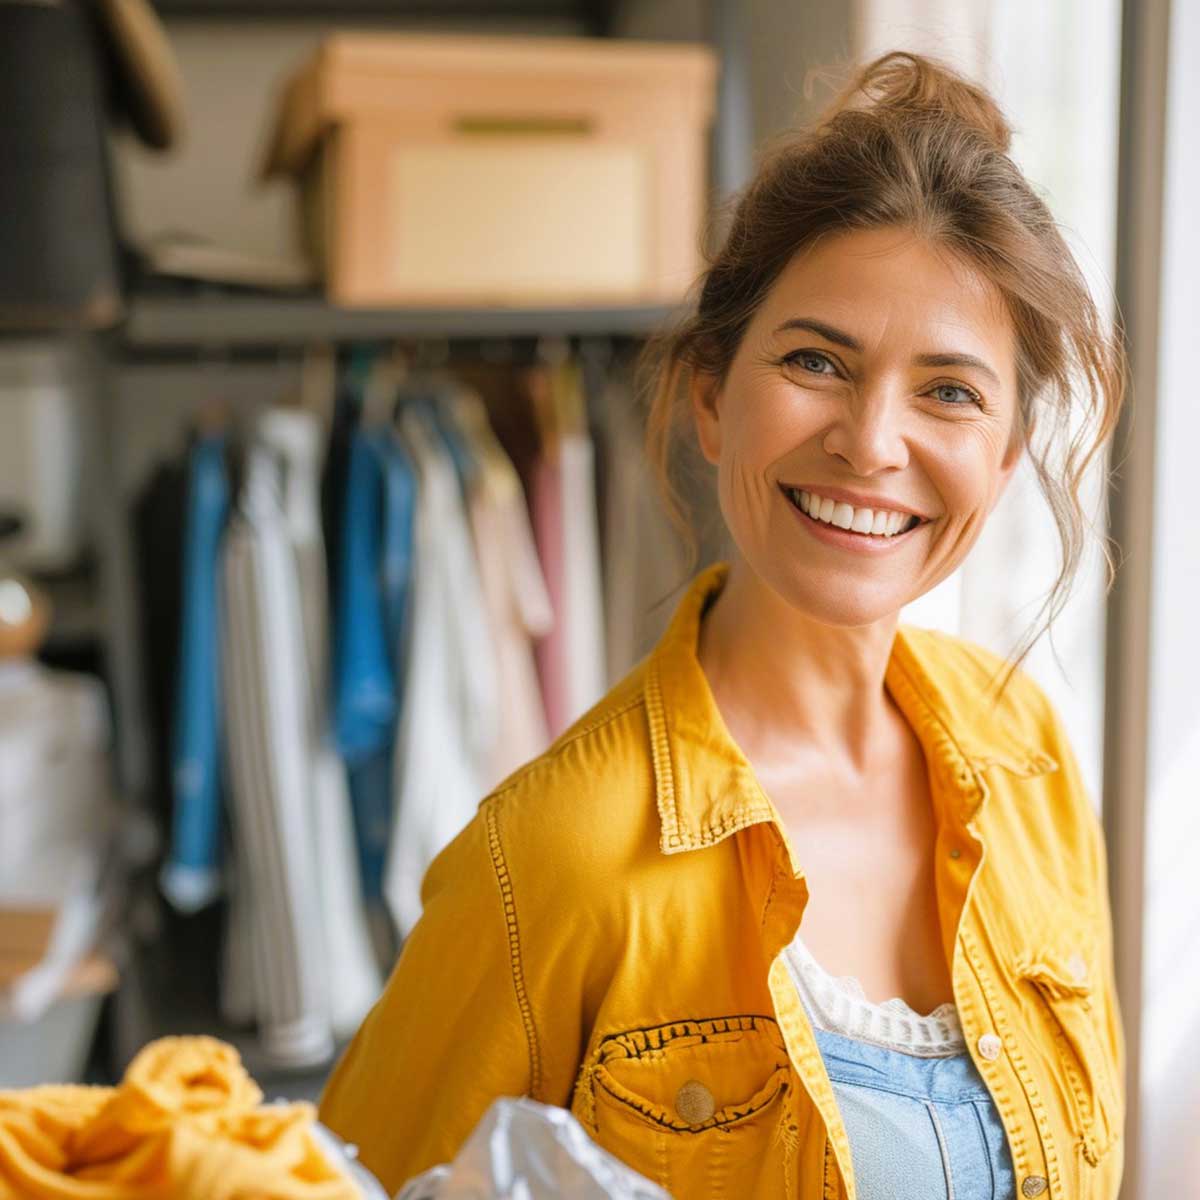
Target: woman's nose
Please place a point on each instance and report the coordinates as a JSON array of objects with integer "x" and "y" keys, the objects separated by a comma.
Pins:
[{"x": 867, "y": 432}]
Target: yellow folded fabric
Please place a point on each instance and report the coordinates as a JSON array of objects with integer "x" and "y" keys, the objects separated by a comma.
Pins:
[{"x": 187, "y": 1122}]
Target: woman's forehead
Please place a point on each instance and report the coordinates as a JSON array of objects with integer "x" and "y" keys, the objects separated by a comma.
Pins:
[{"x": 887, "y": 286}]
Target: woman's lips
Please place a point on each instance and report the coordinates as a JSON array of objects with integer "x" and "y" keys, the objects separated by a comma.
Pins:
[{"x": 832, "y": 535}]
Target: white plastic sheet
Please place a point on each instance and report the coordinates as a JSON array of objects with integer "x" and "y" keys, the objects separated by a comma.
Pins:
[{"x": 523, "y": 1150}]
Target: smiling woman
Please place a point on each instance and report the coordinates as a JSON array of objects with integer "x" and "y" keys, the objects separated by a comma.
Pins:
[
  {"x": 909, "y": 168},
  {"x": 804, "y": 907}
]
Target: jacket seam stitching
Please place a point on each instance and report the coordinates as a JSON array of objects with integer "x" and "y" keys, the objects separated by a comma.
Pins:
[
  {"x": 660, "y": 753},
  {"x": 504, "y": 880}
]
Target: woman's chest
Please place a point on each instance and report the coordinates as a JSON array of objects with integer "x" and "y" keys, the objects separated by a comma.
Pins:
[
  {"x": 868, "y": 857},
  {"x": 702, "y": 1071}
]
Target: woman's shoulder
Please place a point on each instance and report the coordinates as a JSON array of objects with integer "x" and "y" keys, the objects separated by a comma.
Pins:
[
  {"x": 590, "y": 794},
  {"x": 1025, "y": 733},
  {"x": 968, "y": 675}
]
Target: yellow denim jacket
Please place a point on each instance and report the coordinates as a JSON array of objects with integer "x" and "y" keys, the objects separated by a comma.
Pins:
[{"x": 609, "y": 927}]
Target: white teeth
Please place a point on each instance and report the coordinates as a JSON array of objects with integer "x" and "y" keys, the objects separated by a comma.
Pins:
[
  {"x": 843, "y": 515},
  {"x": 878, "y": 522}
]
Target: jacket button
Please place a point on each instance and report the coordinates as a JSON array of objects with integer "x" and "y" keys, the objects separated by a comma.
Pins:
[
  {"x": 989, "y": 1047},
  {"x": 1033, "y": 1185},
  {"x": 694, "y": 1102}
]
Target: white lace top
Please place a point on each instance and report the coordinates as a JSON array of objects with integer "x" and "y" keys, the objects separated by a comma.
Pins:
[{"x": 840, "y": 1005}]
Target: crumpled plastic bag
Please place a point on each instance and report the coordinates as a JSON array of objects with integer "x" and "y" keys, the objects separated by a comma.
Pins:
[
  {"x": 523, "y": 1150},
  {"x": 344, "y": 1157}
]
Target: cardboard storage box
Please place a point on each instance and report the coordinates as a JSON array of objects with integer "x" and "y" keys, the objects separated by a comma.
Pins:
[{"x": 442, "y": 170}]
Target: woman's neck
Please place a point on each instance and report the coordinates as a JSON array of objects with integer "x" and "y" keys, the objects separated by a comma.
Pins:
[{"x": 782, "y": 680}]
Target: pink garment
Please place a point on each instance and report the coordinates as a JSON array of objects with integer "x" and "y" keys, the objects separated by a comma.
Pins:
[
  {"x": 571, "y": 660},
  {"x": 518, "y": 610},
  {"x": 546, "y": 497}
]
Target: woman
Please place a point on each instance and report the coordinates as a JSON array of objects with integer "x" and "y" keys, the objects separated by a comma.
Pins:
[{"x": 652, "y": 922}]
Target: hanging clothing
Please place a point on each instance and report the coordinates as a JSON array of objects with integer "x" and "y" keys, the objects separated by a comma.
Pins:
[
  {"x": 583, "y": 599},
  {"x": 447, "y": 726},
  {"x": 396, "y": 569},
  {"x": 570, "y": 658},
  {"x": 269, "y": 741},
  {"x": 372, "y": 637},
  {"x": 514, "y": 589},
  {"x": 190, "y": 878},
  {"x": 347, "y": 414},
  {"x": 295, "y": 436},
  {"x": 159, "y": 519},
  {"x": 365, "y": 680},
  {"x": 364, "y": 696},
  {"x": 546, "y": 508}
]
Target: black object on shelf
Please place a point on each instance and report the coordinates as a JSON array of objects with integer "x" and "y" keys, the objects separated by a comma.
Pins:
[{"x": 58, "y": 249}]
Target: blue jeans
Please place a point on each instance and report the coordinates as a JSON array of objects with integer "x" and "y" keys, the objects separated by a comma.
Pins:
[{"x": 919, "y": 1128}]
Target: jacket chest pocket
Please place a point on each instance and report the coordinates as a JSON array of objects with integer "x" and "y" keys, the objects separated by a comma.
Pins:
[
  {"x": 696, "y": 1106},
  {"x": 1062, "y": 984}
]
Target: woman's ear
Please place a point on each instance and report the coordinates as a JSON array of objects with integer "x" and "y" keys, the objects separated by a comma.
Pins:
[{"x": 704, "y": 393}]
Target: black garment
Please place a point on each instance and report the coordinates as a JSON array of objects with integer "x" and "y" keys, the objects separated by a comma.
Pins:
[
  {"x": 347, "y": 413},
  {"x": 159, "y": 516}
]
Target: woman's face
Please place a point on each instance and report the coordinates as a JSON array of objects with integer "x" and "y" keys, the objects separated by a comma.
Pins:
[{"x": 878, "y": 373}]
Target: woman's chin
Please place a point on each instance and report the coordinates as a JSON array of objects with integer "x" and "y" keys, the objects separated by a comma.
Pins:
[{"x": 841, "y": 603}]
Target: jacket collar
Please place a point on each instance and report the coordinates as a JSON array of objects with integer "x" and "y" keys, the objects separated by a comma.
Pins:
[{"x": 706, "y": 788}]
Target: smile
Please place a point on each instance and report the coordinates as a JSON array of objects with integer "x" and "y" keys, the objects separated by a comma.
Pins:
[{"x": 847, "y": 522}]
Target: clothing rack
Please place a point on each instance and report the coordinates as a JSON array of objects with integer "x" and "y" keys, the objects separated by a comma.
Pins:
[
  {"x": 157, "y": 998},
  {"x": 173, "y": 328}
]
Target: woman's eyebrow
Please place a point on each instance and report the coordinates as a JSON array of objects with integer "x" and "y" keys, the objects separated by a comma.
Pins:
[{"x": 839, "y": 337}]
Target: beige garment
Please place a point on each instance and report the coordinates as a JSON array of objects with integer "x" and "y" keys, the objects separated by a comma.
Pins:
[{"x": 514, "y": 589}]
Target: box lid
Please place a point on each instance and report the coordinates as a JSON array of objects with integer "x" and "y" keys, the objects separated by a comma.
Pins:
[{"x": 360, "y": 74}]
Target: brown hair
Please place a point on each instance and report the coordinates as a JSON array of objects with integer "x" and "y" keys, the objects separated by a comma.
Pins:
[{"x": 911, "y": 143}]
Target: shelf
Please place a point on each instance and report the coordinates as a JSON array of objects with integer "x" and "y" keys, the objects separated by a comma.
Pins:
[
  {"x": 382, "y": 8},
  {"x": 168, "y": 323}
]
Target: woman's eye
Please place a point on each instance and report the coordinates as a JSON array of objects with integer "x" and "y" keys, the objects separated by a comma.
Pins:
[
  {"x": 811, "y": 360},
  {"x": 950, "y": 393},
  {"x": 816, "y": 363}
]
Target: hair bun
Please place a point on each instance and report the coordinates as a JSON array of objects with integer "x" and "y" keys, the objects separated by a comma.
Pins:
[{"x": 906, "y": 85}]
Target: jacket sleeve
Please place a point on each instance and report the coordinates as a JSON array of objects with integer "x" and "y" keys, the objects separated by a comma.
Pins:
[{"x": 452, "y": 1031}]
